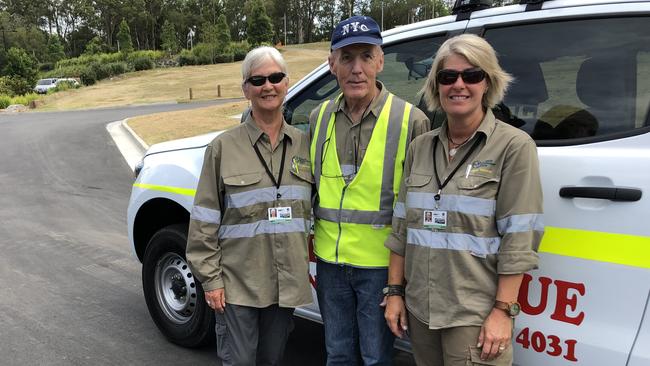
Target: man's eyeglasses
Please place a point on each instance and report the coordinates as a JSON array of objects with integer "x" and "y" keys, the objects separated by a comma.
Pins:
[
  {"x": 259, "y": 80},
  {"x": 470, "y": 76}
]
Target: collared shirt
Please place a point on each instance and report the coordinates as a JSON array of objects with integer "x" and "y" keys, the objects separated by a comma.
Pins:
[
  {"x": 353, "y": 137},
  {"x": 232, "y": 242},
  {"x": 493, "y": 207}
]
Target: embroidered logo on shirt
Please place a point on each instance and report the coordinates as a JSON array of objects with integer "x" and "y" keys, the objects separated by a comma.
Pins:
[
  {"x": 299, "y": 164},
  {"x": 483, "y": 167}
]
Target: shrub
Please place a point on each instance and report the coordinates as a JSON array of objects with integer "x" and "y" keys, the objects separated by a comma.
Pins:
[
  {"x": 28, "y": 98},
  {"x": 143, "y": 63},
  {"x": 153, "y": 55},
  {"x": 204, "y": 53},
  {"x": 223, "y": 58},
  {"x": 88, "y": 76},
  {"x": 5, "y": 101},
  {"x": 186, "y": 57},
  {"x": 239, "y": 50},
  {"x": 118, "y": 68},
  {"x": 4, "y": 88},
  {"x": 63, "y": 85},
  {"x": 101, "y": 71},
  {"x": 71, "y": 71},
  {"x": 19, "y": 99},
  {"x": 16, "y": 85},
  {"x": 20, "y": 65},
  {"x": 46, "y": 66}
]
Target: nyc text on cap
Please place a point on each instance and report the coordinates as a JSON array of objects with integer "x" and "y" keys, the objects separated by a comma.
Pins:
[{"x": 357, "y": 29}]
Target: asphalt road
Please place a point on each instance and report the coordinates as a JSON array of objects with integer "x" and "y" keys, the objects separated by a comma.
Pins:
[{"x": 70, "y": 290}]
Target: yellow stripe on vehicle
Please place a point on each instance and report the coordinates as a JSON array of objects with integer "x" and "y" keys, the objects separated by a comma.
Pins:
[
  {"x": 176, "y": 190},
  {"x": 629, "y": 250}
]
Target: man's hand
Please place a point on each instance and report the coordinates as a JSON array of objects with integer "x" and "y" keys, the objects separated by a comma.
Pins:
[
  {"x": 395, "y": 315},
  {"x": 216, "y": 299}
]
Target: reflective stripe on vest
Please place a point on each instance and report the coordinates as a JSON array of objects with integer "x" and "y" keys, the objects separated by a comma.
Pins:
[{"x": 353, "y": 220}]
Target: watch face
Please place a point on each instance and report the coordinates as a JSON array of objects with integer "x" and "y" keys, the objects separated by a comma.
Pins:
[{"x": 514, "y": 309}]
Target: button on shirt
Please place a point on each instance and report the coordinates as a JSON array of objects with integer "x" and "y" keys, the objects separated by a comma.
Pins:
[
  {"x": 353, "y": 137},
  {"x": 494, "y": 223},
  {"x": 232, "y": 244}
]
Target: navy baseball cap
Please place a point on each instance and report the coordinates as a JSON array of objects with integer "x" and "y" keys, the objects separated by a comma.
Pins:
[{"x": 357, "y": 29}]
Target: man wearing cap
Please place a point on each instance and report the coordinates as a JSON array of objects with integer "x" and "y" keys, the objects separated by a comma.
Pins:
[{"x": 358, "y": 144}]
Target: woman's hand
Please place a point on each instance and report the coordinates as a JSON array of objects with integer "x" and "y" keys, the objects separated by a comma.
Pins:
[
  {"x": 496, "y": 334},
  {"x": 395, "y": 315},
  {"x": 216, "y": 299}
]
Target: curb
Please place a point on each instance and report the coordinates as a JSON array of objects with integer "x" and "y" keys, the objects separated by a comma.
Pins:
[{"x": 143, "y": 145}]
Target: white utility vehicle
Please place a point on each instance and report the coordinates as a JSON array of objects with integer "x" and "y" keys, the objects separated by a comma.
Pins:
[{"x": 582, "y": 90}]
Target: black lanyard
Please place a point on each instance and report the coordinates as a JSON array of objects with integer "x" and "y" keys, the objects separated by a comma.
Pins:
[
  {"x": 435, "y": 168},
  {"x": 266, "y": 167}
]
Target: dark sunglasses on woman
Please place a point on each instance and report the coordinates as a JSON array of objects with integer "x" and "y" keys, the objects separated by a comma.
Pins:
[
  {"x": 259, "y": 80},
  {"x": 470, "y": 76}
]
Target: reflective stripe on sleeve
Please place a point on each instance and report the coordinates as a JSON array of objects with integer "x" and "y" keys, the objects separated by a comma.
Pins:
[
  {"x": 206, "y": 215},
  {"x": 261, "y": 227},
  {"x": 382, "y": 217},
  {"x": 452, "y": 202},
  {"x": 453, "y": 241},
  {"x": 262, "y": 195},
  {"x": 520, "y": 223},
  {"x": 399, "y": 211}
]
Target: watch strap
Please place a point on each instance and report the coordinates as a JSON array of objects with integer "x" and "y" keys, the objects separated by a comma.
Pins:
[{"x": 394, "y": 290}]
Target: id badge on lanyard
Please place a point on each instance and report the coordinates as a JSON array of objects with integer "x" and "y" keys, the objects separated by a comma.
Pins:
[
  {"x": 278, "y": 215},
  {"x": 434, "y": 219}
]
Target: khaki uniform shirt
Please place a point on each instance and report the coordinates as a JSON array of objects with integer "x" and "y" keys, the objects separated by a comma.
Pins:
[
  {"x": 494, "y": 224},
  {"x": 353, "y": 137},
  {"x": 232, "y": 242}
]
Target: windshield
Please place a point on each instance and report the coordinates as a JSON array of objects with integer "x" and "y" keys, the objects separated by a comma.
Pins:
[{"x": 45, "y": 82}]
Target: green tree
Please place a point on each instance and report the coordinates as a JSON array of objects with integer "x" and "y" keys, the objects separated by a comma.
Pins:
[
  {"x": 206, "y": 51},
  {"x": 95, "y": 46},
  {"x": 223, "y": 34},
  {"x": 21, "y": 70},
  {"x": 124, "y": 37},
  {"x": 259, "y": 27},
  {"x": 169, "y": 38},
  {"x": 55, "y": 49}
]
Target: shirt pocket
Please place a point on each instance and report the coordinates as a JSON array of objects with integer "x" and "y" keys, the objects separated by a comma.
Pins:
[
  {"x": 417, "y": 181},
  {"x": 478, "y": 186},
  {"x": 242, "y": 199},
  {"x": 303, "y": 176}
]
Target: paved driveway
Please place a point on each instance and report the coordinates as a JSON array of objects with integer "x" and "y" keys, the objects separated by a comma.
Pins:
[{"x": 70, "y": 291}]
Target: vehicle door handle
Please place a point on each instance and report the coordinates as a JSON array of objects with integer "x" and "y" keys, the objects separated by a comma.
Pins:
[{"x": 603, "y": 193}]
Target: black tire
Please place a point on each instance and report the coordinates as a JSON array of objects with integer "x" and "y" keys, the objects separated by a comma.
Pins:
[{"x": 174, "y": 297}]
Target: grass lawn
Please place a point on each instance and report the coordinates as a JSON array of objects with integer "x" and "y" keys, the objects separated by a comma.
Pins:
[{"x": 172, "y": 84}]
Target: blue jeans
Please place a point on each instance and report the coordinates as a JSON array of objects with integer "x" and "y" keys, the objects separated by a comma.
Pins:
[{"x": 349, "y": 298}]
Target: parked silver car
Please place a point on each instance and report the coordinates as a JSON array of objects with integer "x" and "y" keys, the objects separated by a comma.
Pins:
[{"x": 43, "y": 85}]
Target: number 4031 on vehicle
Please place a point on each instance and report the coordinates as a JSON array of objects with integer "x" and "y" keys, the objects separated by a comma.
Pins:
[{"x": 550, "y": 344}]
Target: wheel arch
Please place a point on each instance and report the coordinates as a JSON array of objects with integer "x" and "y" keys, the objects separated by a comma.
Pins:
[{"x": 154, "y": 215}]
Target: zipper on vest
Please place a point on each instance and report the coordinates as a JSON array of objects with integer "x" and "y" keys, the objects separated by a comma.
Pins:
[{"x": 338, "y": 239}]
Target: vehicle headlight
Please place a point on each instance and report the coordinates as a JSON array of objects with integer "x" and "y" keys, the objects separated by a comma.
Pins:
[{"x": 138, "y": 168}]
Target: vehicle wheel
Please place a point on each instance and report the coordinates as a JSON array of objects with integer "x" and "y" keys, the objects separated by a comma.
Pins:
[{"x": 174, "y": 297}]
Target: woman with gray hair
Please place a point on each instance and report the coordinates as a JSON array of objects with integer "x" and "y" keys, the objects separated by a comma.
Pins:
[
  {"x": 468, "y": 219},
  {"x": 247, "y": 240}
]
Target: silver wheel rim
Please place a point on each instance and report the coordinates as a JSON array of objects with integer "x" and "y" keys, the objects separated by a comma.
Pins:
[{"x": 175, "y": 288}]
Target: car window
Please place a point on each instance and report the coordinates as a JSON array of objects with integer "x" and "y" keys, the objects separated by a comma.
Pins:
[
  {"x": 406, "y": 66},
  {"x": 44, "y": 82},
  {"x": 577, "y": 79}
]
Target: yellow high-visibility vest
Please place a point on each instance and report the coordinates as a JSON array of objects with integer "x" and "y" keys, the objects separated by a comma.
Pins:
[{"x": 354, "y": 219}]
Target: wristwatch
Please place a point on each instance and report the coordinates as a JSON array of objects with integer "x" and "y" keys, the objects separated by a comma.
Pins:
[
  {"x": 393, "y": 290},
  {"x": 512, "y": 309}
]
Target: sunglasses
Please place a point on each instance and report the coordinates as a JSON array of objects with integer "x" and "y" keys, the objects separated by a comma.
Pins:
[
  {"x": 470, "y": 76},
  {"x": 259, "y": 80}
]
